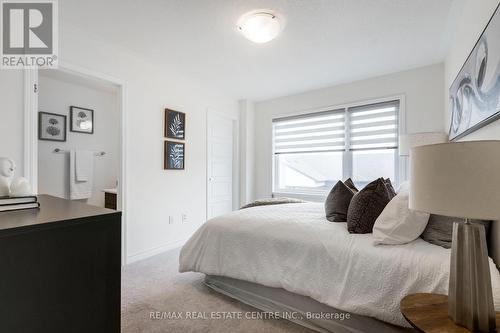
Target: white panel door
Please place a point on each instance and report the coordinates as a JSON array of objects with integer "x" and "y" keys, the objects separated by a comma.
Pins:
[{"x": 219, "y": 165}]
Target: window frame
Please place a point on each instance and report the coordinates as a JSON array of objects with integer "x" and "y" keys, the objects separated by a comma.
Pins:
[{"x": 401, "y": 162}]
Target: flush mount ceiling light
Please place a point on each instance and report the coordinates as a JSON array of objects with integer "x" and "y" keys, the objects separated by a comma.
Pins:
[{"x": 259, "y": 26}]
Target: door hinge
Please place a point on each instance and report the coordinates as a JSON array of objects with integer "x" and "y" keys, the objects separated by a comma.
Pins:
[{"x": 35, "y": 88}]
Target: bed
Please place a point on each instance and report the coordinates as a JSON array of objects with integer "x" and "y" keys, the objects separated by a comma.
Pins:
[{"x": 289, "y": 257}]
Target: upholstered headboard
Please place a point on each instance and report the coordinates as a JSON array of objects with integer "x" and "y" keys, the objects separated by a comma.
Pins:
[{"x": 494, "y": 242}]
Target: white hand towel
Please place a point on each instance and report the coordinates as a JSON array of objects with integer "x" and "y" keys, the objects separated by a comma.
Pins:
[
  {"x": 80, "y": 189},
  {"x": 84, "y": 165}
]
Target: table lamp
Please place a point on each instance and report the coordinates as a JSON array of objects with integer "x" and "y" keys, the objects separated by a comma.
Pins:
[{"x": 462, "y": 180}]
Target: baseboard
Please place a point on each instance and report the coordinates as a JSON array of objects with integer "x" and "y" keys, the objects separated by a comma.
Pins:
[{"x": 154, "y": 251}]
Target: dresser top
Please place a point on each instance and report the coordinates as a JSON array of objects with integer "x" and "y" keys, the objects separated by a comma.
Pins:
[{"x": 51, "y": 210}]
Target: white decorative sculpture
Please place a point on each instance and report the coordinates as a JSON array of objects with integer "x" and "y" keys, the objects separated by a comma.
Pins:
[
  {"x": 20, "y": 187},
  {"x": 7, "y": 170}
]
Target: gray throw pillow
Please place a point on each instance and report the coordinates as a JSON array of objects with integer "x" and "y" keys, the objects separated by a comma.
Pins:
[
  {"x": 439, "y": 229},
  {"x": 338, "y": 200},
  {"x": 367, "y": 205}
]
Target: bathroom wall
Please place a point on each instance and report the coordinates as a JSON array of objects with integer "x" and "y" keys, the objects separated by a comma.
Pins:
[{"x": 56, "y": 94}]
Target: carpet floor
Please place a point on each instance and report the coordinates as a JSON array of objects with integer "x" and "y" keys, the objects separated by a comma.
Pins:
[{"x": 157, "y": 298}]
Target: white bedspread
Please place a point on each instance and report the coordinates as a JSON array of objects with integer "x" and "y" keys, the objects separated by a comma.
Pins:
[{"x": 293, "y": 246}]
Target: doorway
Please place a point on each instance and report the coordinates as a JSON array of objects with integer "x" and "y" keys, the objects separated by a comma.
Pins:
[
  {"x": 91, "y": 112},
  {"x": 91, "y": 105},
  {"x": 220, "y": 164}
]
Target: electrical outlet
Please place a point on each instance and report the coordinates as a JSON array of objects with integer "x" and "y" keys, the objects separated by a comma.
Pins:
[
  {"x": 184, "y": 218},
  {"x": 170, "y": 220}
]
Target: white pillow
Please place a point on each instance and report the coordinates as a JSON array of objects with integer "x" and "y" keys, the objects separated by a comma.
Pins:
[
  {"x": 397, "y": 224},
  {"x": 405, "y": 186}
]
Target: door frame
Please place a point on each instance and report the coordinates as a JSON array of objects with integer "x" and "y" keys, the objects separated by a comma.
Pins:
[
  {"x": 31, "y": 132},
  {"x": 236, "y": 161}
]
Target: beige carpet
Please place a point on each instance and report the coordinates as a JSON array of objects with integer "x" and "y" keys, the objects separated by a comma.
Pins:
[{"x": 154, "y": 285}]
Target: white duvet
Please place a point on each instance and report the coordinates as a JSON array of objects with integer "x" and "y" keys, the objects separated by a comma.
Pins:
[{"x": 293, "y": 246}]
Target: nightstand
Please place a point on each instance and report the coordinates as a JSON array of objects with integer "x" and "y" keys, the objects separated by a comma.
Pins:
[{"x": 428, "y": 313}]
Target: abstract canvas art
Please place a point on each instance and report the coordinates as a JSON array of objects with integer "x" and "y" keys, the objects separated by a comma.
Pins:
[
  {"x": 174, "y": 155},
  {"x": 475, "y": 93},
  {"x": 175, "y": 124},
  {"x": 51, "y": 127}
]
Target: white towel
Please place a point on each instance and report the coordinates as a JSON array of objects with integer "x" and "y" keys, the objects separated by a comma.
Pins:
[
  {"x": 84, "y": 165},
  {"x": 81, "y": 174}
]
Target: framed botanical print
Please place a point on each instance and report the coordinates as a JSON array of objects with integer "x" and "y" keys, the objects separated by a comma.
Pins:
[
  {"x": 51, "y": 127},
  {"x": 174, "y": 155},
  {"x": 175, "y": 124},
  {"x": 81, "y": 120}
]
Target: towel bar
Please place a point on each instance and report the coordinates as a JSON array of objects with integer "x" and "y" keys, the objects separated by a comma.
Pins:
[{"x": 57, "y": 151}]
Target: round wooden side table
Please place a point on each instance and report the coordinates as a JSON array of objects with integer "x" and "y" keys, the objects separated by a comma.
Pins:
[{"x": 428, "y": 313}]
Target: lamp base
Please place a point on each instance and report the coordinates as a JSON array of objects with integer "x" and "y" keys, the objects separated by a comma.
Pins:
[{"x": 470, "y": 299}]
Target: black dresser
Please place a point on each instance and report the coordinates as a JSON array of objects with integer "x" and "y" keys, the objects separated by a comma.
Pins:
[{"x": 60, "y": 269}]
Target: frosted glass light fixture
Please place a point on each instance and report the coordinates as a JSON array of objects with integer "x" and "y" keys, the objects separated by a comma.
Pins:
[{"x": 259, "y": 26}]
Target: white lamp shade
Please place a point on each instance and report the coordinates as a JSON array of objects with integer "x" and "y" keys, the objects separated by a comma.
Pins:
[
  {"x": 408, "y": 141},
  {"x": 459, "y": 179}
]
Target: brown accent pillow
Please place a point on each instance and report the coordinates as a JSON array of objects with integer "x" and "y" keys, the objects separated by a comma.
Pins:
[
  {"x": 439, "y": 229},
  {"x": 366, "y": 206},
  {"x": 349, "y": 183},
  {"x": 390, "y": 188},
  {"x": 338, "y": 200}
]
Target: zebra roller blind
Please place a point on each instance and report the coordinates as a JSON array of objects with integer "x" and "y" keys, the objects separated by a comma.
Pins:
[
  {"x": 316, "y": 132},
  {"x": 373, "y": 126}
]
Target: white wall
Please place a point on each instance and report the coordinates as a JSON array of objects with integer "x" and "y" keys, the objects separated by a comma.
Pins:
[
  {"x": 469, "y": 21},
  {"x": 56, "y": 96},
  {"x": 247, "y": 151},
  {"x": 422, "y": 87},
  {"x": 152, "y": 193},
  {"x": 12, "y": 117}
]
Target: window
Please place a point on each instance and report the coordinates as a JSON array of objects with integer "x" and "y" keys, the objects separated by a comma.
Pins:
[{"x": 313, "y": 151}]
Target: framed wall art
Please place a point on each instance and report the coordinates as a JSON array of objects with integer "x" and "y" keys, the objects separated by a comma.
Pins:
[
  {"x": 81, "y": 120},
  {"x": 174, "y": 155},
  {"x": 175, "y": 124},
  {"x": 475, "y": 93},
  {"x": 51, "y": 127}
]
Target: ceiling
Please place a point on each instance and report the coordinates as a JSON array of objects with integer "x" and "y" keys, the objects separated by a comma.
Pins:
[{"x": 324, "y": 42}]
